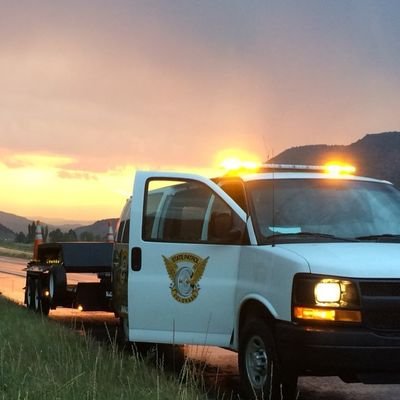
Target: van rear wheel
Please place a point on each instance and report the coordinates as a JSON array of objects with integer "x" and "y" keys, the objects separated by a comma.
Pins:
[{"x": 123, "y": 330}]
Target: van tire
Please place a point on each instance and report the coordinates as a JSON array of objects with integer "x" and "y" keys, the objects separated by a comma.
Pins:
[
  {"x": 258, "y": 361},
  {"x": 123, "y": 330}
]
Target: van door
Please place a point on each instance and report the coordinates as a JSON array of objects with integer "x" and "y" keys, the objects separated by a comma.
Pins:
[{"x": 185, "y": 247}]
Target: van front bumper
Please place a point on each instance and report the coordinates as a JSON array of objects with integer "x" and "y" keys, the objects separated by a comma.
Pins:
[{"x": 353, "y": 353}]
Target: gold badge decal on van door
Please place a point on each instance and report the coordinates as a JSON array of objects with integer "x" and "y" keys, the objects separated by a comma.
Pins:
[{"x": 185, "y": 271}]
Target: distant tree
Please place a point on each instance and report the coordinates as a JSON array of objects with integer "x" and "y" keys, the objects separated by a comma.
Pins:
[
  {"x": 70, "y": 236},
  {"x": 58, "y": 236},
  {"x": 30, "y": 237},
  {"x": 20, "y": 237},
  {"x": 86, "y": 236},
  {"x": 45, "y": 232}
]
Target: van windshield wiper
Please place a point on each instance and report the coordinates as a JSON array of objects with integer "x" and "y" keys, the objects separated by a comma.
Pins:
[
  {"x": 307, "y": 236},
  {"x": 383, "y": 237}
]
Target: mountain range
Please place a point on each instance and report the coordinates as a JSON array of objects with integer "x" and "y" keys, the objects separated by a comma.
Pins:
[
  {"x": 375, "y": 155},
  {"x": 10, "y": 224},
  {"x": 99, "y": 228}
]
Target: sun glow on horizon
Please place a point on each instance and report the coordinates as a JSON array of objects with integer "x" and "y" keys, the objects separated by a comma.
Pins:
[
  {"x": 49, "y": 186},
  {"x": 43, "y": 185},
  {"x": 237, "y": 159}
]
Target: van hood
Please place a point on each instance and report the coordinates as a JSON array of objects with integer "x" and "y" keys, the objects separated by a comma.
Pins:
[{"x": 357, "y": 260}]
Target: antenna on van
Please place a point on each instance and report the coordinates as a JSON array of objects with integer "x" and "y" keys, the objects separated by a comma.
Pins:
[
  {"x": 266, "y": 152},
  {"x": 273, "y": 200},
  {"x": 273, "y": 208}
]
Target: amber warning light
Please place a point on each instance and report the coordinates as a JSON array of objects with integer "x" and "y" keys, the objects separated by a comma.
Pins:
[
  {"x": 339, "y": 169},
  {"x": 235, "y": 165}
]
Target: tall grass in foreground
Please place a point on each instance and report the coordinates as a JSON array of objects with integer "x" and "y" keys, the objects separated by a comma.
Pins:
[{"x": 40, "y": 359}]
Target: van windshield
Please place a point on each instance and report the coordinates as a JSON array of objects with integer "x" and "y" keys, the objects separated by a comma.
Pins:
[{"x": 292, "y": 210}]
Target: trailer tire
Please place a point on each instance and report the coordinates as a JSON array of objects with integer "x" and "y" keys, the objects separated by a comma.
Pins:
[
  {"x": 26, "y": 292},
  {"x": 57, "y": 285},
  {"x": 42, "y": 304},
  {"x": 30, "y": 289},
  {"x": 37, "y": 295}
]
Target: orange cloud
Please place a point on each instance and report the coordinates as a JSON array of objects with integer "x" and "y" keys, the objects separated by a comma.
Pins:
[
  {"x": 35, "y": 160},
  {"x": 65, "y": 174}
]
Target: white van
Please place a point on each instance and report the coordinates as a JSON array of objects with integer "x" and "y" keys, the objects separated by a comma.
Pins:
[{"x": 296, "y": 269}]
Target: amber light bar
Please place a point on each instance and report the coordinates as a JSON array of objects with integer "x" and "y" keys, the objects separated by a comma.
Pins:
[
  {"x": 324, "y": 314},
  {"x": 331, "y": 168}
]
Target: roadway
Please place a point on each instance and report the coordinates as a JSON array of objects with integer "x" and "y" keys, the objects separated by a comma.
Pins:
[{"x": 219, "y": 366}]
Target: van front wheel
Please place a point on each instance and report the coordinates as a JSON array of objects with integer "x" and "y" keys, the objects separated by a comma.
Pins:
[{"x": 258, "y": 364}]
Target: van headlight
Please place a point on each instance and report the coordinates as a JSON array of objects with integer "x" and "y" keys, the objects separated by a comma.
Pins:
[
  {"x": 327, "y": 292},
  {"x": 321, "y": 298}
]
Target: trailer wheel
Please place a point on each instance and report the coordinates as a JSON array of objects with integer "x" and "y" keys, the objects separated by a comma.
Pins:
[
  {"x": 26, "y": 291},
  {"x": 42, "y": 304},
  {"x": 30, "y": 293},
  {"x": 37, "y": 295},
  {"x": 57, "y": 285}
]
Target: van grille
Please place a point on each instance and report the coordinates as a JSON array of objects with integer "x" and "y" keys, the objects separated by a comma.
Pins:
[
  {"x": 380, "y": 303},
  {"x": 380, "y": 288}
]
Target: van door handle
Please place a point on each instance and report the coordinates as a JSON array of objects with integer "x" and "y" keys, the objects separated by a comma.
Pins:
[{"x": 136, "y": 258}]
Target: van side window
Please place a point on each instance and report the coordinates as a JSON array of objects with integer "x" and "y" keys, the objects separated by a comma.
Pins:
[
  {"x": 120, "y": 231},
  {"x": 123, "y": 224},
  {"x": 182, "y": 217},
  {"x": 125, "y": 237},
  {"x": 188, "y": 212},
  {"x": 153, "y": 199}
]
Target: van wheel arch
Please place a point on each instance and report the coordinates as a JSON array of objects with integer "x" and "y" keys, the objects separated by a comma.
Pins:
[{"x": 254, "y": 309}]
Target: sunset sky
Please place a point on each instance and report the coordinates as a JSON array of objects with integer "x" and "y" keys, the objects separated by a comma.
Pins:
[{"x": 91, "y": 91}]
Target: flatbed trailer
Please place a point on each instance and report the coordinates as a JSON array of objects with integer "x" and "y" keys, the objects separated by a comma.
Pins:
[{"x": 47, "y": 284}]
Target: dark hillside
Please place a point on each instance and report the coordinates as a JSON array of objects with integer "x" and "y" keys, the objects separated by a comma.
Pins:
[
  {"x": 6, "y": 234},
  {"x": 375, "y": 155},
  {"x": 14, "y": 222},
  {"x": 99, "y": 229}
]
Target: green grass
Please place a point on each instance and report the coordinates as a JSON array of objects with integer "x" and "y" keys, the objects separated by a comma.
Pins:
[
  {"x": 41, "y": 359},
  {"x": 20, "y": 250},
  {"x": 27, "y": 247}
]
